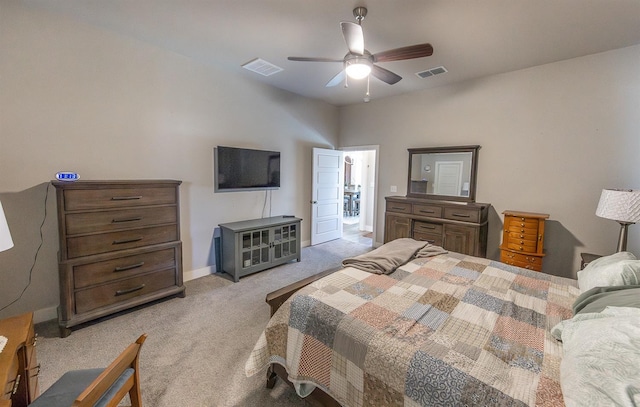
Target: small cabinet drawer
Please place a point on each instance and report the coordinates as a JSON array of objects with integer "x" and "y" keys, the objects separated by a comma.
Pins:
[
  {"x": 88, "y": 274},
  {"x": 426, "y": 227},
  {"x": 122, "y": 290},
  {"x": 108, "y": 242},
  {"x": 463, "y": 214},
  {"x": 107, "y": 221},
  {"x": 521, "y": 260},
  {"x": 427, "y": 210},
  {"x": 401, "y": 207},
  {"x": 523, "y": 246},
  {"x": 12, "y": 374},
  {"x": 86, "y": 199}
]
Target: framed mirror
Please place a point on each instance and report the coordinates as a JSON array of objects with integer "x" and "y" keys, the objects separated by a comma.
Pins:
[{"x": 444, "y": 173}]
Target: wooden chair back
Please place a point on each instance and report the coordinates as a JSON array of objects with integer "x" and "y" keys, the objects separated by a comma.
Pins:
[{"x": 129, "y": 358}]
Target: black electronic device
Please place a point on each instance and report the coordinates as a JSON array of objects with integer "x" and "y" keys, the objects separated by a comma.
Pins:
[{"x": 243, "y": 169}]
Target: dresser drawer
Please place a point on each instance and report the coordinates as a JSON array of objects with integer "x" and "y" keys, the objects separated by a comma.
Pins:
[
  {"x": 101, "y": 272},
  {"x": 401, "y": 207},
  {"x": 89, "y": 222},
  {"x": 426, "y": 227},
  {"x": 463, "y": 214},
  {"x": 84, "y": 199},
  {"x": 428, "y": 237},
  {"x": 427, "y": 210},
  {"x": 108, "y": 242},
  {"x": 122, "y": 290}
]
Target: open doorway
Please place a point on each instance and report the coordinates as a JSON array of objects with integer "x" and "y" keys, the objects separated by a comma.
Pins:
[{"x": 360, "y": 190}]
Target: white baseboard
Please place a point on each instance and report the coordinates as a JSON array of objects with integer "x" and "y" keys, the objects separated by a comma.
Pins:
[
  {"x": 201, "y": 272},
  {"x": 305, "y": 243}
]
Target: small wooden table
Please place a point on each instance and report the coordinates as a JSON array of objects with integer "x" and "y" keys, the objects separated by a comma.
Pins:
[{"x": 18, "y": 365}]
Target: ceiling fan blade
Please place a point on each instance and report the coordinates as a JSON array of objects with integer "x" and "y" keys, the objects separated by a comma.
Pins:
[
  {"x": 353, "y": 36},
  {"x": 311, "y": 59},
  {"x": 339, "y": 78},
  {"x": 385, "y": 75},
  {"x": 398, "y": 54}
]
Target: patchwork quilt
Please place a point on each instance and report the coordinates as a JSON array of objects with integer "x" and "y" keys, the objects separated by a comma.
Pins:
[{"x": 449, "y": 330}]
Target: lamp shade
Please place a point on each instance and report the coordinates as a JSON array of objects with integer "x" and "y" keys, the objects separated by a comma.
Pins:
[
  {"x": 6, "y": 242},
  {"x": 622, "y": 205}
]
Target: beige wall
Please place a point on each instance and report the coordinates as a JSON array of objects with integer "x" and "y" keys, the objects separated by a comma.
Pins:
[
  {"x": 73, "y": 97},
  {"x": 552, "y": 137}
]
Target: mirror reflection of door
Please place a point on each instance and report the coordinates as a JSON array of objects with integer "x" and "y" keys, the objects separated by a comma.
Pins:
[{"x": 448, "y": 178}]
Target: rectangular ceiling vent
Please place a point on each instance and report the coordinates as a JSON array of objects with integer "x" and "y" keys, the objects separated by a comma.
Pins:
[
  {"x": 431, "y": 72},
  {"x": 262, "y": 67}
]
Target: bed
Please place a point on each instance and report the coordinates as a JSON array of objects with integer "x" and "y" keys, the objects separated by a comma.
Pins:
[{"x": 409, "y": 324}]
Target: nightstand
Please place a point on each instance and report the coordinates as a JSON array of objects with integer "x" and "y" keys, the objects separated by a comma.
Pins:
[{"x": 587, "y": 258}]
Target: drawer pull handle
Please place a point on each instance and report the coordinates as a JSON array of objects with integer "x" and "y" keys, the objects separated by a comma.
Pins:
[
  {"x": 129, "y": 290},
  {"x": 123, "y": 241},
  {"x": 425, "y": 211},
  {"x": 35, "y": 340},
  {"x": 125, "y": 198},
  {"x": 132, "y": 266},
  {"x": 427, "y": 227},
  {"x": 399, "y": 208},
  {"x": 461, "y": 215},
  {"x": 126, "y": 220},
  {"x": 15, "y": 385}
]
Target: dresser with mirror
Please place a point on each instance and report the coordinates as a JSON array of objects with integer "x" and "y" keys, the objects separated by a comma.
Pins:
[{"x": 440, "y": 203}]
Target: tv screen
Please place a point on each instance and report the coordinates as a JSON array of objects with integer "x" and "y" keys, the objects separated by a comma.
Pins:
[{"x": 243, "y": 169}]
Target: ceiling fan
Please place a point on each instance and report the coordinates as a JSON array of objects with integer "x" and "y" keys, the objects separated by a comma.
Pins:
[{"x": 358, "y": 63}]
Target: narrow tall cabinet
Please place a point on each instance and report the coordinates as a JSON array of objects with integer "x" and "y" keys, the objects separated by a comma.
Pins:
[
  {"x": 523, "y": 239},
  {"x": 119, "y": 246},
  {"x": 255, "y": 245}
]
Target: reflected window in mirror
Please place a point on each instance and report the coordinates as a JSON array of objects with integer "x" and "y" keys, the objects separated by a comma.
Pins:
[{"x": 444, "y": 173}]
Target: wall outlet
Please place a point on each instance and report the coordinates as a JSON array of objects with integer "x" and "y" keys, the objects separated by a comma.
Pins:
[{"x": 394, "y": 188}]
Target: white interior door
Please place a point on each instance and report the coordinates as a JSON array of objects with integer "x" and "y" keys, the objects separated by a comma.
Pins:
[
  {"x": 327, "y": 195},
  {"x": 448, "y": 178}
]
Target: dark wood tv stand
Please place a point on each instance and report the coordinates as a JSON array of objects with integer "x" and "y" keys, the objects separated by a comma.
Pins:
[{"x": 254, "y": 245}]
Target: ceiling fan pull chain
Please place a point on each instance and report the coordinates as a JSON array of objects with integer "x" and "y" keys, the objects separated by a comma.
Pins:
[{"x": 367, "y": 95}]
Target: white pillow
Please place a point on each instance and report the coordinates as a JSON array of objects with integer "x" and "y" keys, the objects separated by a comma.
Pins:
[
  {"x": 621, "y": 268},
  {"x": 601, "y": 358}
]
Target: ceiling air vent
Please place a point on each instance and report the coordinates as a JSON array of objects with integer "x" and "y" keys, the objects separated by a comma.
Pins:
[
  {"x": 262, "y": 67},
  {"x": 431, "y": 72}
]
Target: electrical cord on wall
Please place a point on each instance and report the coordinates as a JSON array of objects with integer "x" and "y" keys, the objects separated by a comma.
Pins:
[
  {"x": 35, "y": 258},
  {"x": 264, "y": 205}
]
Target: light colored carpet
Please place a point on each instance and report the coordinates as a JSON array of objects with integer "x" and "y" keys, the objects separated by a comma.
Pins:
[{"x": 197, "y": 346}]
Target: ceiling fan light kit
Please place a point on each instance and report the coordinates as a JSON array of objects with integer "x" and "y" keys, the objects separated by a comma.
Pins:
[
  {"x": 358, "y": 67},
  {"x": 360, "y": 63}
]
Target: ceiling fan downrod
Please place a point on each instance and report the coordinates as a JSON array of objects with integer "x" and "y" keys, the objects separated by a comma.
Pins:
[{"x": 360, "y": 13}]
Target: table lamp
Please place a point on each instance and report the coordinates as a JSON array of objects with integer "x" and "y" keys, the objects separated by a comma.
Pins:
[
  {"x": 623, "y": 206},
  {"x": 6, "y": 242}
]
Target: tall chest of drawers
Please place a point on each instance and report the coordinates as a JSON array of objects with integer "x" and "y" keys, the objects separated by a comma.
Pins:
[
  {"x": 119, "y": 246},
  {"x": 523, "y": 239}
]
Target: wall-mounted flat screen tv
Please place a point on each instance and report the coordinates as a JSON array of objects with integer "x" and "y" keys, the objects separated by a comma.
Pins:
[{"x": 243, "y": 169}]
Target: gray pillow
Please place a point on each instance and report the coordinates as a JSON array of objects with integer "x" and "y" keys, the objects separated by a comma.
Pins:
[{"x": 598, "y": 298}]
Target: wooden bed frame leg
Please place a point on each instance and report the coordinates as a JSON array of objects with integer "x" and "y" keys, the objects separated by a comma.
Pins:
[{"x": 271, "y": 377}]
